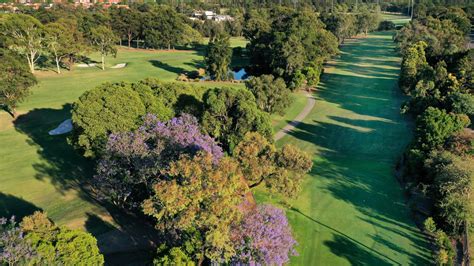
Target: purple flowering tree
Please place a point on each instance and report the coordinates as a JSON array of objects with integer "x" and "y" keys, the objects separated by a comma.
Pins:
[
  {"x": 134, "y": 161},
  {"x": 264, "y": 237},
  {"x": 14, "y": 248}
]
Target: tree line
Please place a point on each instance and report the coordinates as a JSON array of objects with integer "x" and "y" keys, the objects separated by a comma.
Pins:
[
  {"x": 437, "y": 74},
  {"x": 64, "y": 35},
  {"x": 290, "y": 44}
]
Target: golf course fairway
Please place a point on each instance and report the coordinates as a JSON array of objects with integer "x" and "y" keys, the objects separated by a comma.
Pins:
[{"x": 352, "y": 210}]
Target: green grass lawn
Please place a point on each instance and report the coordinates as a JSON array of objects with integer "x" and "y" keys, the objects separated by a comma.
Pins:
[
  {"x": 298, "y": 104},
  {"x": 352, "y": 210},
  {"x": 397, "y": 19},
  {"x": 38, "y": 171}
]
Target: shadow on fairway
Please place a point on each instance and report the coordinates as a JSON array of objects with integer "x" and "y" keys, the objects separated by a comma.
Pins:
[
  {"x": 357, "y": 140},
  {"x": 357, "y": 162},
  {"x": 67, "y": 169},
  {"x": 60, "y": 163},
  {"x": 14, "y": 206},
  {"x": 167, "y": 67},
  {"x": 135, "y": 237},
  {"x": 356, "y": 252},
  {"x": 196, "y": 64}
]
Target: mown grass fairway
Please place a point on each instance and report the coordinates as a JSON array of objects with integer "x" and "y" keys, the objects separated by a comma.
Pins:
[
  {"x": 43, "y": 172},
  {"x": 396, "y": 18},
  {"x": 352, "y": 210}
]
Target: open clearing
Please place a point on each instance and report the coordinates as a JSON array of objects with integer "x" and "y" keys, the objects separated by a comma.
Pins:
[
  {"x": 40, "y": 171},
  {"x": 352, "y": 210}
]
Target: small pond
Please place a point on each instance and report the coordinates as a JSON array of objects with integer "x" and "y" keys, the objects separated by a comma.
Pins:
[
  {"x": 240, "y": 75},
  {"x": 237, "y": 75}
]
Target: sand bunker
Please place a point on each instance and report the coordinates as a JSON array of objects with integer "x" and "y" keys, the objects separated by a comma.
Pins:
[
  {"x": 122, "y": 65},
  {"x": 86, "y": 65},
  {"x": 63, "y": 128}
]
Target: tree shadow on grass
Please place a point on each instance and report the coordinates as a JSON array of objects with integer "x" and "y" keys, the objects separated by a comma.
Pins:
[
  {"x": 14, "y": 206},
  {"x": 134, "y": 236},
  {"x": 167, "y": 67},
  {"x": 358, "y": 163},
  {"x": 354, "y": 253},
  {"x": 59, "y": 162},
  {"x": 346, "y": 245},
  {"x": 67, "y": 169},
  {"x": 196, "y": 63}
]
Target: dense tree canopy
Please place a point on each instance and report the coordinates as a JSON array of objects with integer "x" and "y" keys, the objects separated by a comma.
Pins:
[
  {"x": 442, "y": 36},
  {"x": 126, "y": 23},
  {"x": 340, "y": 22},
  {"x": 454, "y": 187},
  {"x": 110, "y": 108},
  {"x": 178, "y": 97},
  {"x": 271, "y": 94},
  {"x": 263, "y": 237},
  {"x": 434, "y": 126},
  {"x": 199, "y": 194},
  {"x": 218, "y": 56},
  {"x": 367, "y": 19},
  {"x": 15, "y": 81},
  {"x": 414, "y": 62},
  {"x": 162, "y": 27},
  {"x": 132, "y": 161},
  {"x": 25, "y": 35},
  {"x": 38, "y": 241},
  {"x": 62, "y": 41},
  {"x": 230, "y": 113},
  {"x": 59, "y": 245},
  {"x": 436, "y": 74},
  {"x": 287, "y": 42},
  {"x": 281, "y": 171}
]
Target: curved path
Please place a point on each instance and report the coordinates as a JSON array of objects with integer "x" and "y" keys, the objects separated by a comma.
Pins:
[
  {"x": 302, "y": 115},
  {"x": 352, "y": 210}
]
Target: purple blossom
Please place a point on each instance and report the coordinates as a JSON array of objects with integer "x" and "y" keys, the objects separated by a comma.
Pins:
[
  {"x": 14, "y": 247},
  {"x": 134, "y": 160},
  {"x": 264, "y": 237},
  {"x": 183, "y": 131}
]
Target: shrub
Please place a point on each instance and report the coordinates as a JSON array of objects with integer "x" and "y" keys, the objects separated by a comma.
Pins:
[{"x": 386, "y": 25}]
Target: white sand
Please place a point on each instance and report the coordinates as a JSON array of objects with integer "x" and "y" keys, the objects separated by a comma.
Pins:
[
  {"x": 63, "y": 128},
  {"x": 86, "y": 65},
  {"x": 122, "y": 65}
]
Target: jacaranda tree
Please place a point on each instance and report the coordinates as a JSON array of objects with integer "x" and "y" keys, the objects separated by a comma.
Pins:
[
  {"x": 198, "y": 194},
  {"x": 133, "y": 161},
  {"x": 263, "y": 237}
]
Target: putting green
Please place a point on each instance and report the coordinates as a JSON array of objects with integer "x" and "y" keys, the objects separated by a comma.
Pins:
[{"x": 352, "y": 210}]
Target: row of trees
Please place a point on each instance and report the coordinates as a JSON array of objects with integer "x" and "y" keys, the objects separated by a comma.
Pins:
[
  {"x": 58, "y": 41},
  {"x": 345, "y": 23},
  {"x": 194, "y": 175},
  {"x": 65, "y": 34},
  {"x": 38, "y": 241},
  {"x": 293, "y": 44},
  {"x": 437, "y": 75}
]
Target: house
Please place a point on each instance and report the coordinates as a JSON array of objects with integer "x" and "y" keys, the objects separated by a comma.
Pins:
[
  {"x": 204, "y": 14},
  {"x": 220, "y": 18}
]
